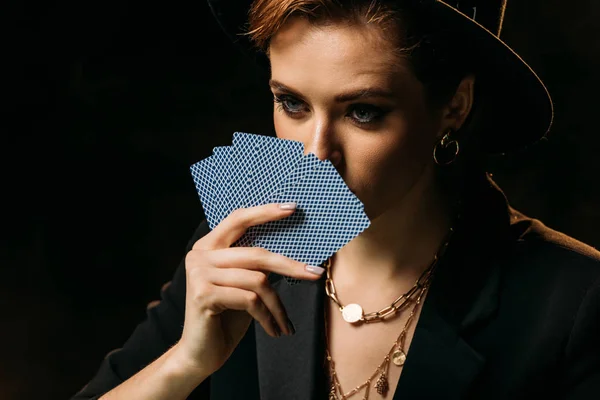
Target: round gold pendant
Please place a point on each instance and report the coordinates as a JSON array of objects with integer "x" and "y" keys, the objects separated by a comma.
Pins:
[
  {"x": 399, "y": 357},
  {"x": 352, "y": 313}
]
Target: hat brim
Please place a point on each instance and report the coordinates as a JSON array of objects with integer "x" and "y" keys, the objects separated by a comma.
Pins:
[{"x": 517, "y": 111}]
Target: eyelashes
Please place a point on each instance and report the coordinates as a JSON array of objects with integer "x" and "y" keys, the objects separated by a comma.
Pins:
[
  {"x": 361, "y": 114},
  {"x": 288, "y": 104}
]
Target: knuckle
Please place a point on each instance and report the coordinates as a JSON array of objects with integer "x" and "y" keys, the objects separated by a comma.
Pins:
[
  {"x": 252, "y": 300},
  {"x": 190, "y": 257},
  {"x": 193, "y": 259},
  {"x": 202, "y": 292},
  {"x": 242, "y": 218},
  {"x": 258, "y": 254},
  {"x": 237, "y": 214},
  {"x": 261, "y": 281},
  {"x": 189, "y": 269},
  {"x": 203, "y": 242}
]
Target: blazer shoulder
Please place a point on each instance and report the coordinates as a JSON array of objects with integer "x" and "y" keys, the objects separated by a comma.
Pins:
[{"x": 536, "y": 239}]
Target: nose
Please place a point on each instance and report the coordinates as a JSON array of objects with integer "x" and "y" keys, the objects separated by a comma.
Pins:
[{"x": 323, "y": 142}]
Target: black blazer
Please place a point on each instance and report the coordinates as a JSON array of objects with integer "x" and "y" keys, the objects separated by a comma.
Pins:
[{"x": 512, "y": 313}]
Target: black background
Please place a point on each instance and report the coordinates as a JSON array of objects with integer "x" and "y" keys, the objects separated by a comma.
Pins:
[{"x": 106, "y": 106}]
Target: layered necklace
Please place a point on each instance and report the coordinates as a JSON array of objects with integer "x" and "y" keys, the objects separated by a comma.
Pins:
[{"x": 354, "y": 314}]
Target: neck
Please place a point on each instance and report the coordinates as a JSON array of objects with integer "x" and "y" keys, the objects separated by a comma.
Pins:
[{"x": 400, "y": 243}]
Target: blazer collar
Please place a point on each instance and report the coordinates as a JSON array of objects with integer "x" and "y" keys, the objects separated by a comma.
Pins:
[{"x": 441, "y": 363}]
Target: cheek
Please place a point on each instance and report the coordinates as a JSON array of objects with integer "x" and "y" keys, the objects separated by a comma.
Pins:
[
  {"x": 399, "y": 150},
  {"x": 414, "y": 145},
  {"x": 390, "y": 163}
]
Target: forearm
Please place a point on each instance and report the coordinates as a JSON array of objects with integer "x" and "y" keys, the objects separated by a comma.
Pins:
[{"x": 168, "y": 377}]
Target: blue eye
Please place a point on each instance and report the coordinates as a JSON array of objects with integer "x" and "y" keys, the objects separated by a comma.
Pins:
[
  {"x": 360, "y": 114},
  {"x": 289, "y": 104},
  {"x": 365, "y": 113}
]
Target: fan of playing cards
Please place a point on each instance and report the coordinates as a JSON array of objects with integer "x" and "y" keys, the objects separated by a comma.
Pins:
[{"x": 257, "y": 170}]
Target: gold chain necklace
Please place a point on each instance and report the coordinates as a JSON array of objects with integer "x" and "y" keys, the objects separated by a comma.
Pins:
[
  {"x": 397, "y": 354},
  {"x": 353, "y": 313}
]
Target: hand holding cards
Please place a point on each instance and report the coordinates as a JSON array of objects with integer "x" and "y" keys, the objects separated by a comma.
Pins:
[{"x": 259, "y": 169}]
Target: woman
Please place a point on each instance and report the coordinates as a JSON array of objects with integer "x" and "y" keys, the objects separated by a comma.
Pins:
[{"x": 450, "y": 293}]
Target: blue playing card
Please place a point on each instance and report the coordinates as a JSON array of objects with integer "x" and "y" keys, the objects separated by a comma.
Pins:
[
  {"x": 328, "y": 216},
  {"x": 259, "y": 169},
  {"x": 203, "y": 177},
  {"x": 304, "y": 166},
  {"x": 244, "y": 149},
  {"x": 274, "y": 160},
  {"x": 221, "y": 161},
  {"x": 296, "y": 173}
]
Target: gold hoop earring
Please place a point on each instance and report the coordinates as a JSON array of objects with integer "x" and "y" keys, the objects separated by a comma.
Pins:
[{"x": 446, "y": 147}]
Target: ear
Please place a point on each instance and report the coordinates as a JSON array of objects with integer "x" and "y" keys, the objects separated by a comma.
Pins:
[{"x": 456, "y": 112}]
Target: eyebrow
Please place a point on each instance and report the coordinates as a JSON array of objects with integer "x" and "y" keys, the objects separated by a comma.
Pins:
[{"x": 343, "y": 97}]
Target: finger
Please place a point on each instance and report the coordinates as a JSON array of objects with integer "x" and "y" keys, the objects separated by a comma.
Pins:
[
  {"x": 256, "y": 282},
  {"x": 235, "y": 224},
  {"x": 152, "y": 304},
  {"x": 231, "y": 298},
  {"x": 256, "y": 259},
  {"x": 165, "y": 286}
]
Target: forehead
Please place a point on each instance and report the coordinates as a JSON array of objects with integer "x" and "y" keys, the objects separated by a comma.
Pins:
[{"x": 301, "y": 51}]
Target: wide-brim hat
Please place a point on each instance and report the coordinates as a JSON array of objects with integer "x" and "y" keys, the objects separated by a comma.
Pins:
[{"x": 517, "y": 111}]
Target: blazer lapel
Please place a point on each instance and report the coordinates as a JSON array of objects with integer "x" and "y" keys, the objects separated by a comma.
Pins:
[
  {"x": 441, "y": 362},
  {"x": 291, "y": 367},
  {"x": 464, "y": 295}
]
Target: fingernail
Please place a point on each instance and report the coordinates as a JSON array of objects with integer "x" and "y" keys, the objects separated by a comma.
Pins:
[
  {"x": 276, "y": 327},
  {"x": 291, "y": 327},
  {"x": 288, "y": 206},
  {"x": 314, "y": 270}
]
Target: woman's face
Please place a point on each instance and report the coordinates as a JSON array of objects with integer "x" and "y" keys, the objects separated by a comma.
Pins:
[{"x": 339, "y": 91}]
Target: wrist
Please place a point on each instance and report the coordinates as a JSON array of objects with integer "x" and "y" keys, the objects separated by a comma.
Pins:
[{"x": 181, "y": 365}]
